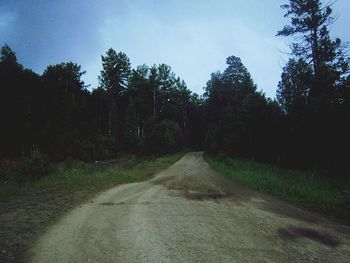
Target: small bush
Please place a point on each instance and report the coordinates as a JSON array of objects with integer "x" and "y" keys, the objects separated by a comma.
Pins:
[{"x": 36, "y": 165}]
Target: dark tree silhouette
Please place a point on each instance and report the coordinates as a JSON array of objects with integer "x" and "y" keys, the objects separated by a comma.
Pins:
[
  {"x": 238, "y": 116},
  {"x": 313, "y": 87}
]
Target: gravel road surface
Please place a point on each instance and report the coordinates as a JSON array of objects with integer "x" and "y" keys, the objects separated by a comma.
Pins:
[{"x": 189, "y": 213}]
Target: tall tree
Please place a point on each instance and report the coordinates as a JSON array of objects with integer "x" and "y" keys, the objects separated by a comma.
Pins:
[
  {"x": 154, "y": 85},
  {"x": 116, "y": 71},
  {"x": 313, "y": 86},
  {"x": 114, "y": 79},
  {"x": 236, "y": 113},
  {"x": 142, "y": 93},
  {"x": 17, "y": 104},
  {"x": 310, "y": 20},
  {"x": 131, "y": 126},
  {"x": 65, "y": 107}
]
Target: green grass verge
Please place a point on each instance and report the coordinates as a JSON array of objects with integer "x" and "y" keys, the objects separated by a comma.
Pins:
[
  {"x": 302, "y": 188},
  {"x": 78, "y": 175}
]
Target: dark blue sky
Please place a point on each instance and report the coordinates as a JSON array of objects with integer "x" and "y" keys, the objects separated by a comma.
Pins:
[{"x": 194, "y": 37}]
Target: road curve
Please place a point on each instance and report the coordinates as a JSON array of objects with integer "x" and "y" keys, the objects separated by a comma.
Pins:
[{"x": 189, "y": 213}]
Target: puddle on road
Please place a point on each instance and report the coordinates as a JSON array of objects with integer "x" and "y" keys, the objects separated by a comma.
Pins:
[
  {"x": 200, "y": 196},
  {"x": 300, "y": 232},
  {"x": 123, "y": 203}
]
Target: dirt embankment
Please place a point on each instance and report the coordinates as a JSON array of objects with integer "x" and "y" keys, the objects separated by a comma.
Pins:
[{"x": 189, "y": 213}]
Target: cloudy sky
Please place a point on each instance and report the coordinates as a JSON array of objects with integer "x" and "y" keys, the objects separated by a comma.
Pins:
[{"x": 193, "y": 36}]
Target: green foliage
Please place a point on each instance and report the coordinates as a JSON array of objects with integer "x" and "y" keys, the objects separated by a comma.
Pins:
[
  {"x": 294, "y": 87},
  {"x": 100, "y": 148},
  {"x": 36, "y": 165},
  {"x": 116, "y": 71}
]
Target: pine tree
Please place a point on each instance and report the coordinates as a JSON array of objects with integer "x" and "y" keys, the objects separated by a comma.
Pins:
[
  {"x": 309, "y": 22},
  {"x": 114, "y": 79},
  {"x": 312, "y": 91}
]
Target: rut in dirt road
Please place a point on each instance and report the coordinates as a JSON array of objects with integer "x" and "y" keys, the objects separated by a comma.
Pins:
[{"x": 189, "y": 213}]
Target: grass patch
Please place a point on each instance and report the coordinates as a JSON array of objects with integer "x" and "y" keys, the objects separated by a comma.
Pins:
[
  {"x": 27, "y": 208},
  {"x": 302, "y": 188},
  {"x": 78, "y": 175}
]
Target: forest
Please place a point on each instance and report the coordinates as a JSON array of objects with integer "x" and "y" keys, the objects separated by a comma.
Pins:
[{"x": 149, "y": 110}]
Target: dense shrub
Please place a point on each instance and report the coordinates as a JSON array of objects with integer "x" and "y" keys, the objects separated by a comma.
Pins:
[
  {"x": 166, "y": 137},
  {"x": 104, "y": 148},
  {"x": 68, "y": 145}
]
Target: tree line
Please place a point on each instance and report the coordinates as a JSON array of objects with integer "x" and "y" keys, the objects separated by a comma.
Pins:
[
  {"x": 308, "y": 126},
  {"x": 141, "y": 110},
  {"x": 148, "y": 109}
]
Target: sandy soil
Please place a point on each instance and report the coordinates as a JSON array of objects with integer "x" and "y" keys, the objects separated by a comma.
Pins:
[{"x": 189, "y": 213}]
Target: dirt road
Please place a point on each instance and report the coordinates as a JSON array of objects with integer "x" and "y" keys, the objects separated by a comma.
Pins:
[{"x": 189, "y": 213}]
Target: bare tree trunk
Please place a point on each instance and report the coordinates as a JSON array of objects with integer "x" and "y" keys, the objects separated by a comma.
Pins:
[
  {"x": 154, "y": 103},
  {"x": 251, "y": 148},
  {"x": 185, "y": 115},
  {"x": 110, "y": 121},
  {"x": 138, "y": 125}
]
